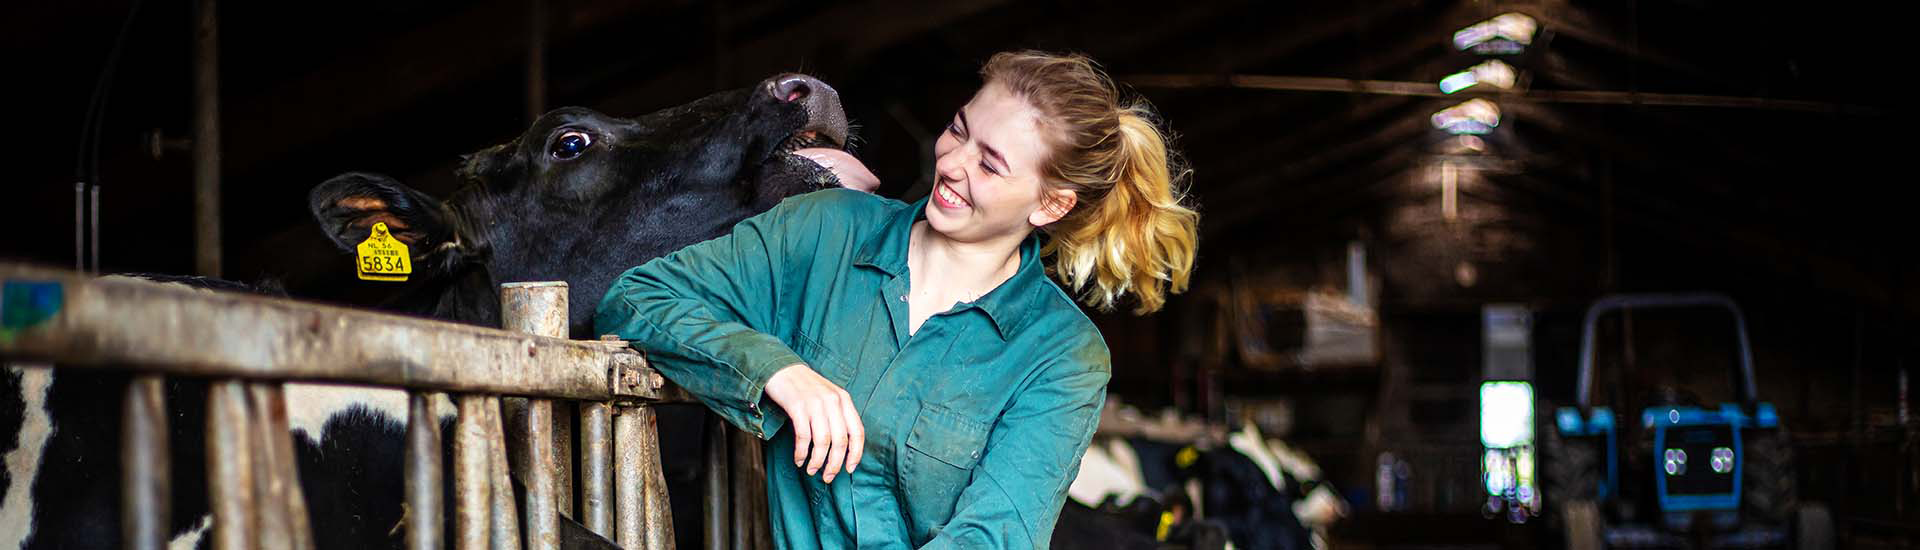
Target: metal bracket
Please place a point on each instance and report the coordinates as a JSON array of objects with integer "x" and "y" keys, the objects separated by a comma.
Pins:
[{"x": 629, "y": 374}]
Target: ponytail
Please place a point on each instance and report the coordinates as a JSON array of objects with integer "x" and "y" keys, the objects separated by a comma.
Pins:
[{"x": 1128, "y": 232}]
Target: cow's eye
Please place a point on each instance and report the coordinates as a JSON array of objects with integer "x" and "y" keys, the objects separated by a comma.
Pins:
[{"x": 571, "y": 145}]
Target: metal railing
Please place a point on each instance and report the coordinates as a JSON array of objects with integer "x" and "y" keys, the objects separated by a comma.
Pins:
[{"x": 248, "y": 346}]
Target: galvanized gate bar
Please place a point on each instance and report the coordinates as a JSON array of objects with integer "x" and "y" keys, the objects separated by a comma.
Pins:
[
  {"x": 282, "y": 513},
  {"x": 538, "y": 308},
  {"x": 146, "y": 488},
  {"x": 643, "y": 518},
  {"x": 118, "y": 322},
  {"x": 506, "y": 521},
  {"x": 230, "y": 466},
  {"x": 543, "y": 507},
  {"x": 472, "y": 476},
  {"x": 596, "y": 483},
  {"x": 717, "y": 489},
  {"x": 424, "y": 507},
  {"x": 750, "y": 524}
]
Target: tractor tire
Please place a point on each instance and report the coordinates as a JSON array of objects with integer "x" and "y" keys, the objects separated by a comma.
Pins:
[
  {"x": 1572, "y": 468},
  {"x": 1813, "y": 528},
  {"x": 1768, "y": 477},
  {"x": 1580, "y": 522}
]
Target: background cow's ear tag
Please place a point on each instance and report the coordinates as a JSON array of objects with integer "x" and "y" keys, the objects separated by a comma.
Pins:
[{"x": 382, "y": 257}]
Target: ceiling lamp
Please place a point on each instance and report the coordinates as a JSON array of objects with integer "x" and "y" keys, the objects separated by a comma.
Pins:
[
  {"x": 1495, "y": 73},
  {"x": 1505, "y": 34},
  {"x": 1474, "y": 117}
]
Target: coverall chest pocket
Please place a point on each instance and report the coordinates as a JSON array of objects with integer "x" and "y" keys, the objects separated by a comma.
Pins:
[{"x": 944, "y": 447}]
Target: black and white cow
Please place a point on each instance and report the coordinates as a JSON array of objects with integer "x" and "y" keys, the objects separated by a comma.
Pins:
[
  {"x": 579, "y": 197},
  {"x": 1245, "y": 489}
]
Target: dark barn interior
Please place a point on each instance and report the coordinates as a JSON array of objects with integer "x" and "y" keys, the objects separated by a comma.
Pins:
[{"x": 1366, "y": 262}]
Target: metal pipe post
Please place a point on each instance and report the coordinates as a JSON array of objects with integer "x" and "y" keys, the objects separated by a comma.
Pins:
[
  {"x": 643, "y": 518},
  {"x": 145, "y": 484},
  {"x": 282, "y": 505},
  {"x": 536, "y": 59},
  {"x": 596, "y": 483},
  {"x": 424, "y": 507},
  {"x": 540, "y": 309},
  {"x": 626, "y": 478},
  {"x": 749, "y": 483},
  {"x": 472, "y": 476},
  {"x": 506, "y": 521},
  {"x": 715, "y": 503},
  {"x": 230, "y": 466},
  {"x": 206, "y": 138}
]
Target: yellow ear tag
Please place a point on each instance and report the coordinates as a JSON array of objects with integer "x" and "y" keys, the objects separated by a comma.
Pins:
[
  {"x": 382, "y": 257},
  {"x": 1185, "y": 457}
]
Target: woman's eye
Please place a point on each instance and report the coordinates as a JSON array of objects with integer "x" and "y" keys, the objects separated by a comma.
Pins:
[
  {"x": 571, "y": 145},
  {"x": 989, "y": 168}
]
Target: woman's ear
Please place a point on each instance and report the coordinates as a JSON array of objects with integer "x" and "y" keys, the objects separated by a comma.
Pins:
[{"x": 1054, "y": 204}]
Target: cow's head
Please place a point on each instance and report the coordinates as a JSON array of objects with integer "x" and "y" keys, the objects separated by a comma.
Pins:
[{"x": 581, "y": 196}]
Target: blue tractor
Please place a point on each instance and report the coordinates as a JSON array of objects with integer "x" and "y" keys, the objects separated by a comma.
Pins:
[{"x": 1674, "y": 472}]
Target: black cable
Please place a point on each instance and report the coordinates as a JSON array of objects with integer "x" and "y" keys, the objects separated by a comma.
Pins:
[
  {"x": 86, "y": 170},
  {"x": 87, "y": 159}
]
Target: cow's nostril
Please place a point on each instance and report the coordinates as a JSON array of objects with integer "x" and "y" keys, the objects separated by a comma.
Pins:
[{"x": 793, "y": 89}]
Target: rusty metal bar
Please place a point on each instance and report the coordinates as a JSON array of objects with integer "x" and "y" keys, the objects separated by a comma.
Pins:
[
  {"x": 536, "y": 59},
  {"x": 424, "y": 506},
  {"x": 596, "y": 484},
  {"x": 505, "y": 522},
  {"x": 282, "y": 506},
  {"x": 642, "y": 516},
  {"x": 564, "y": 414},
  {"x": 716, "y": 504},
  {"x": 543, "y": 510},
  {"x": 145, "y": 485},
  {"x": 1430, "y": 89},
  {"x": 117, "y": 322},
  {"x": 626, "y": 478},
  {"x": 206, "y": 138},
  {"x": 230, "y": 466},
  {"x": 269, "y": 488},
  {"x": 472, "y": 476},
  {"x": 749, "y": 484},
  {"x": 538, "y": 308}
]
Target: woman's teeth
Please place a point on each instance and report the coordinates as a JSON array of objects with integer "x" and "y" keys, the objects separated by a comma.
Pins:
[{"x": 947, "y": 194}]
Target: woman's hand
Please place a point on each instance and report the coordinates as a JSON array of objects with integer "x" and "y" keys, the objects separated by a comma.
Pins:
[
  {"x": 851, "y": 172},
  {"x": 825, "y": 425}
]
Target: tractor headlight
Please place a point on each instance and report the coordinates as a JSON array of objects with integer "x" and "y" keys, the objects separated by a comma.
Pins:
[
  {"x": 1722, "y": 460},
  {"x": 1676, "y": 462}
]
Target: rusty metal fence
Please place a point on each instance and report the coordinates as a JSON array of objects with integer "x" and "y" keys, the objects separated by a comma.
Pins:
[{"x": 517, "y": 382}]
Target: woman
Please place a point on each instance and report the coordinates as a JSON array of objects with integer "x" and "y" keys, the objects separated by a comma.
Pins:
[{"x": 919, "y": 355}]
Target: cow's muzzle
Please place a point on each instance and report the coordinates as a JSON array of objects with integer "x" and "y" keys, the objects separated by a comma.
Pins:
[{"x": 826, "y": 120}]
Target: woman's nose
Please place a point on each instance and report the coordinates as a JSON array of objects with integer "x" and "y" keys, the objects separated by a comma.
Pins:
[{"x": 952, "y": 166}]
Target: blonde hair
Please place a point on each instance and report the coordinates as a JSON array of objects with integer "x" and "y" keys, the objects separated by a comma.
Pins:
[{"x": 1128, "y": 232}]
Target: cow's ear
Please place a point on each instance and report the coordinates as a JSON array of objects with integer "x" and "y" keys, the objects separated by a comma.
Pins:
[{"x": 348, "y": 205}]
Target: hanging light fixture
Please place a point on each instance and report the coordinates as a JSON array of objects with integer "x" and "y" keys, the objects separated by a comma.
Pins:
[
  {"x": 1493, "y": 72},
  {"x": 1474, "y": 117},
  {"x": 1506, "y": 34}
]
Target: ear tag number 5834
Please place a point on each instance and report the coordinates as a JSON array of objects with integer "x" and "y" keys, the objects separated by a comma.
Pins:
[{"x": 382, "y": 257}]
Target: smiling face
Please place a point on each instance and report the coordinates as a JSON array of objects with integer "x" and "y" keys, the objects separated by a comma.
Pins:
[{"x": 989, "y": 166}]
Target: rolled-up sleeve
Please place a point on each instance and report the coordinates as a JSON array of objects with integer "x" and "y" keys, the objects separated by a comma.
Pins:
[
  {"x": 703, "y": 315},
  {"x": 1016, "y": 492}
]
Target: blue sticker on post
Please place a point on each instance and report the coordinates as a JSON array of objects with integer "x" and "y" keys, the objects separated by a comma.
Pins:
[{"x": 24, "y": 304}]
